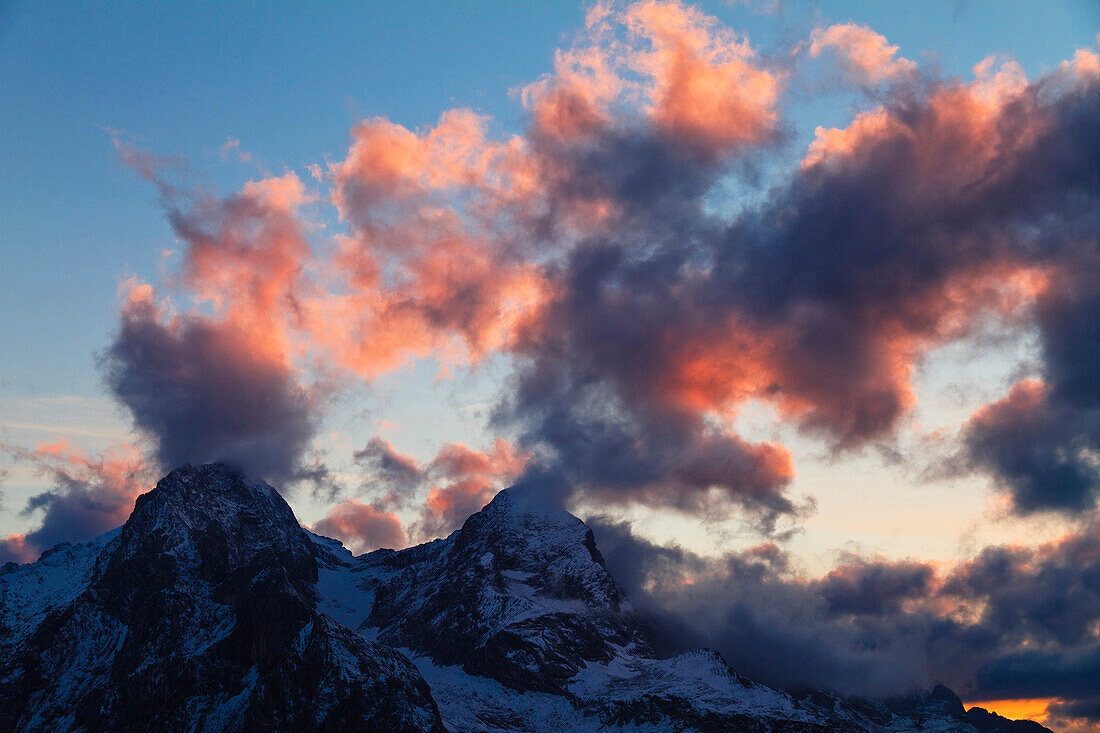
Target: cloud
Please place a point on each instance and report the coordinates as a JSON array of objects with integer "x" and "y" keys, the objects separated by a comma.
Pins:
[
  {"x": 865, "y": 56},
  {"x": 458, "y": 482},
  {"x": 232, "y": 146},
  {"x": 873, "y": 588},
  {"x": 708, "y": 93},
  {"x": 660, "y": 65},
  {"x": 206, "y": 391},
  {"x": 640, "y": 308},
  {"x": 660, "y": 317},
  {"x": 639, "y": 315},
  {"x": 1011, "y": 622},
  {"x": 1039, "y": 449},
  {"x": 463, "y": 481},
  {"x": 900, "y": 233},
  {"x": 1059, "y": 675},
  {"x": 388, "y": 464},
  {"x": 90, "y": 495},
  {"x": 771, "y": 624},
  {"x": 362, "y": 527}
]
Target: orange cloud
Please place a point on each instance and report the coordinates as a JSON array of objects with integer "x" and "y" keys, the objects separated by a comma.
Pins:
[
  {"x": 15, "y": 548},
  {"x": 459, "y": 480},
  {"x": 1024, "y": 397},
  {"x": 457, "y": 501},
  {"x": 573, "y": 102},
  {"x": 456, "y": 459},
  {"x": 388, "y": 164},
  {"x": 657, "y": 62},
  {"x": 706, "y": 90},
  {"x": 467, "y": 480},
  {"x": 961, "y": 143},
  {"x": 246, "y": 255}
]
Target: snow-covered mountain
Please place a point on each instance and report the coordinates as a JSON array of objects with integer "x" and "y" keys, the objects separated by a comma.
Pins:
[{"x": 212, "y": 609}]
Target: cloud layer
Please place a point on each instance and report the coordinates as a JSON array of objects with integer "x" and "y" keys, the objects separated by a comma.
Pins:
[
  {"x": 1012, "y": 622},
  {"x": 456, "y": 483},
  {"x": 640, "y": 309}
]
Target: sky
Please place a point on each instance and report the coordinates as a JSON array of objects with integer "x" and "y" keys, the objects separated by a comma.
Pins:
[{"x": 795, "y": 302}]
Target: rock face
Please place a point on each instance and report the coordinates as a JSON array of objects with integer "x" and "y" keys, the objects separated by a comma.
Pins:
[
  {"x": 520, "y": 596},
  {"x": 211, "y": 609},
  {"x": 199, "y": 614}
]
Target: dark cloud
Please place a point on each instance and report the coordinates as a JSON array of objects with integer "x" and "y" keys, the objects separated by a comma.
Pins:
[
  {"x": 1039, "y": 447},
  {"x": 1011, "y": 622},
  {"x": 596, "y": 377},
  {"x": 388, "y": 465},
  {"x": 1040, "y": 441},
  {"x": 862, "y": 587},
  {"x": 769, "y": 624},
  {"x": 89, "y": 496},
  {"x": 1050, "y": 595},
  {"x": 864, "y": 261},
  {"x": 1086, "y": 707},
  {"x": 76, "y": 511},
  {"x": 1031, "y": 674},
  {"x": 206, "y": 391}
]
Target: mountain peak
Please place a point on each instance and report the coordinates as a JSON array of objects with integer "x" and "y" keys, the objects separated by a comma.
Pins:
[
  {"x": 199, "y": 615},
  {"x": 216, "y": 516},
  {"x": 215, "y": 489}
]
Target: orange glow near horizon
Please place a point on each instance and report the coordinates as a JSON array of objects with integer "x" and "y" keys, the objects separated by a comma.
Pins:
[{"x": 1036, "y": 709}]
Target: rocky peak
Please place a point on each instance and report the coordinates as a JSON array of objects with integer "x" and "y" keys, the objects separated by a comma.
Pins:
[
  {"x": 215, "y": 494},
  {"x": 519, "y": 594},
  {"x": 949, "y": 701},
  {"x": 213, "y": 517},
  {"x": 522, "y": 538}
]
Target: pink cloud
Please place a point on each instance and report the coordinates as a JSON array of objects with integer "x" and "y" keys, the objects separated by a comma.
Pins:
[
  {"x": 362, "y": 527},
  {"x": 865, "y": 56}
]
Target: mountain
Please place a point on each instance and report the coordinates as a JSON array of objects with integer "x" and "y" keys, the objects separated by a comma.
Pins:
[
  {"x": 212, "y": 609},
  {"x": 199, "y": 614}
]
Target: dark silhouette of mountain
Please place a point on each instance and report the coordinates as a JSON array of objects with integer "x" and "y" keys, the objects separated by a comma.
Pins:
[{"x": 212, "y": 609}]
